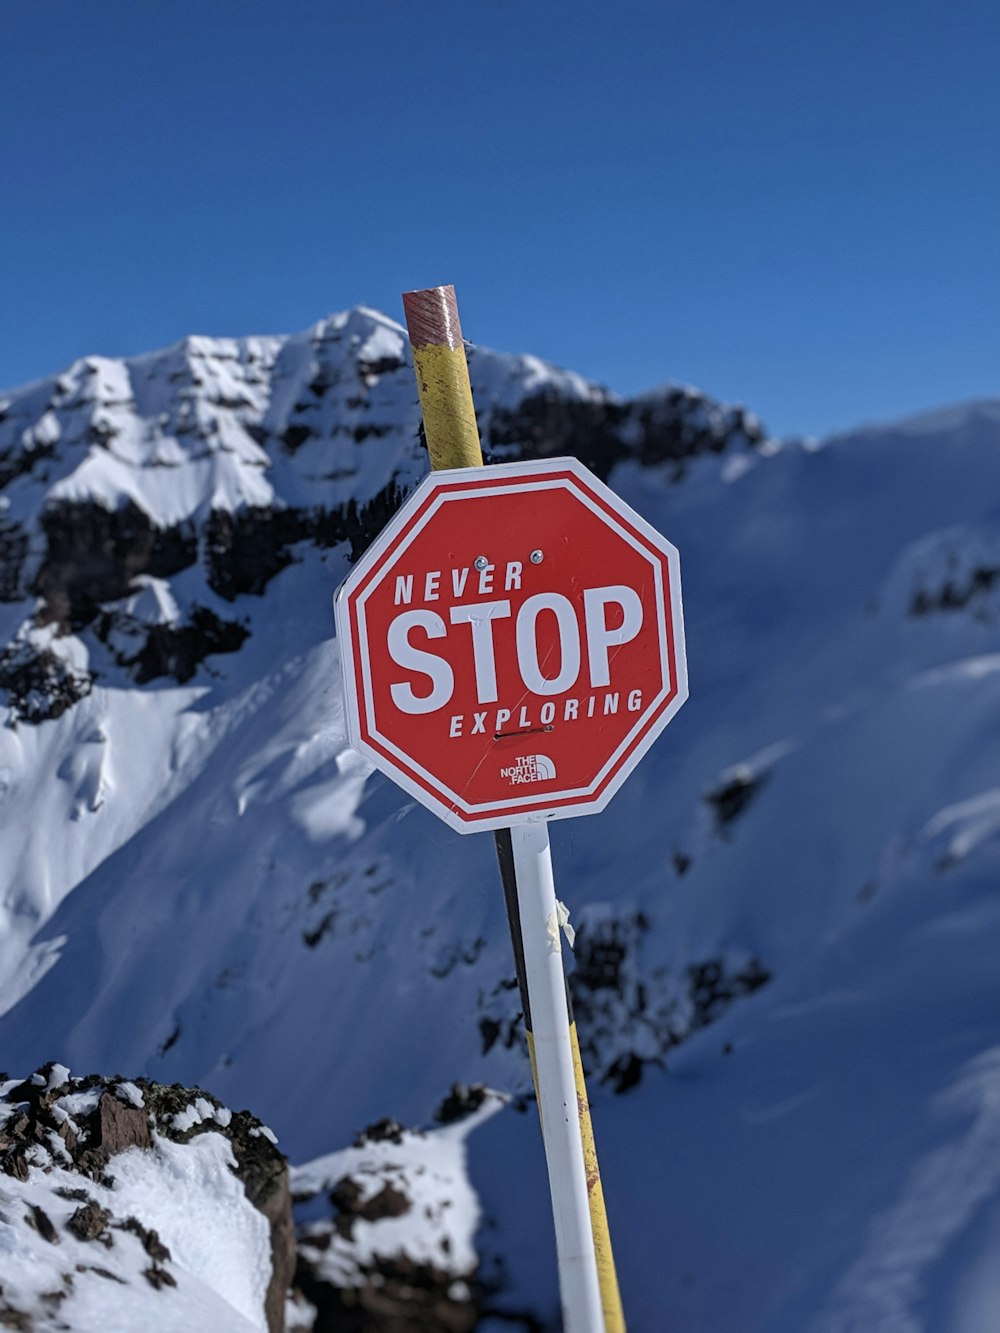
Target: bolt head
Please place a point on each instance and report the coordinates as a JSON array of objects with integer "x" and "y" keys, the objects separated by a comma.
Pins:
[
  {"x": 537, "y": 557},
  {"x": 480, "y": 562}
]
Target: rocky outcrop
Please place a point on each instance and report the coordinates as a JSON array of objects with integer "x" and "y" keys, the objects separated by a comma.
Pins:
[
  {"x": 93, "y": 553},
  {"x": 671, "y": 427},
  {"x": 388, "y": 1250},
  {"x": 40, "y": 684},
  {"x": 393, "y": 1252},
  {"x": 630, "y": 1010},
  {"x": 13, "y": 552},
  {"x": 53, "y": 1125}
]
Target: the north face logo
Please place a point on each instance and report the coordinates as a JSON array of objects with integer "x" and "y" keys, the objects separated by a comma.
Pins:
[{"x": 530, "y": 768}]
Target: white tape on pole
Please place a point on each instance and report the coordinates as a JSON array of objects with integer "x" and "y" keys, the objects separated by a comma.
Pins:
[{"x": 578, "y": 1281}]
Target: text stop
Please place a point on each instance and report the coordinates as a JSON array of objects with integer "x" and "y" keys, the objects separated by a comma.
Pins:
[{"x": 612, "y": 617}]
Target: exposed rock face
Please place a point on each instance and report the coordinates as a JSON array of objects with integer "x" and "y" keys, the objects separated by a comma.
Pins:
[
  {"x": 394, "y": 1251},
  {"x": 630, "y": 1010},
  {"x": 225, "y": 455},
  {"x": 264, "y": 1173},
  {"x": 400, "y": 1296},
  {"x": 54, "y": 1124},
  {"x": 670, "y": 427},
  {"x": 40, "y": 684},
  {"x": 13, "y": 550},
  {"x": 93, "y": 553}
]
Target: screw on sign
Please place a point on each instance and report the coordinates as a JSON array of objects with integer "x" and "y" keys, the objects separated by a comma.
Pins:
[{"x": 512, "y": 643}]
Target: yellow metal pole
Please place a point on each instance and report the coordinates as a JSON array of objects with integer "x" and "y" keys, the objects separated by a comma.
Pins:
[
  {"x": 611, "y": 1301},
  {"x": 453, "y": 441},
  {"x": 442, "y": 378}
]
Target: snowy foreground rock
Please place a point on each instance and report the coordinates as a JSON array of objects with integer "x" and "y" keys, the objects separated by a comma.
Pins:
[
  {"x": 138, "y": 1205},
  {"x": 111, "y": 1192},
  {"x": 787, "y": 925}
]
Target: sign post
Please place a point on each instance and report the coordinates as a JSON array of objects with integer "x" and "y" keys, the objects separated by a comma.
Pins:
[
  {"x": 512, "y": 644},
  {"x": 555, "y": 1082}
]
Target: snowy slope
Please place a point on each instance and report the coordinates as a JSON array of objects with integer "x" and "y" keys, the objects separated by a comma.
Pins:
[{"x": 787, "y": 926}]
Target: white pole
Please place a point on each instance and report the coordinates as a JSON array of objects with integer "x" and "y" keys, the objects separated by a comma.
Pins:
[{"x": 557, "y": 1105}]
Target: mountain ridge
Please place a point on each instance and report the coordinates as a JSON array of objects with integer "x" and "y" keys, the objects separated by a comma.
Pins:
[
  {"x": 226, "y": 452},
  {"x": 785, "y": 970}
]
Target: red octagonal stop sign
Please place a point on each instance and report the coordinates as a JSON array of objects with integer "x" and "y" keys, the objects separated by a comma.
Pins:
[{"x": 512, "y": 643}]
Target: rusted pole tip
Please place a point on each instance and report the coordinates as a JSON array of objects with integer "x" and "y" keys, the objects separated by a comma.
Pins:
[{"x": 432, "y": 317}]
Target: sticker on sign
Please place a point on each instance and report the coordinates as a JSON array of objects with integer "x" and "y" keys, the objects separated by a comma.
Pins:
[{"x": 512, "y": 643}]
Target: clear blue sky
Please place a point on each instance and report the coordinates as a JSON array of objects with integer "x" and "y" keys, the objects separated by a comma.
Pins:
[{"x": 790, "y": 204}]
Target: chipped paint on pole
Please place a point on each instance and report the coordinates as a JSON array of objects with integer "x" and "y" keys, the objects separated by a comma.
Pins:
[{"x": 442, "y": 378}]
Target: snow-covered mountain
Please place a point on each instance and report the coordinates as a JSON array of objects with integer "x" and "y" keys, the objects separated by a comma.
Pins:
[{"x": 787, "y": 930}]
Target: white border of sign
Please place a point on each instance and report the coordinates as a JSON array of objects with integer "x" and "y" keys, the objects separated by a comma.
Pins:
[{"x": 406, "y": 771}]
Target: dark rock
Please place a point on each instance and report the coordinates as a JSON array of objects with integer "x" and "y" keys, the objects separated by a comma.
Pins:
[
  {"x": 14, "y": 1162},
  {"x": 295, "y": 437},
  {"x": 40, "y": 1220},
  {"x": 548, "y": 425},
  {"x": 323, "y": 927},
  {"x": 387, "y": 1202},
  {"x": 455, "y": 952},
  {"x": 734, "y": 795},
  {"x": 151, "y": 1242},
  {"x": 264, "y": 1173},
  {"x": 170, "y": 650},
  {"x": 624, "y": 1073},
  {"x": 159, "y": 1278},
  {"x": 489, "y": 1032},
  {"x": 93, "y": 554},
  {"x": 15, "y": 1319},
  {"x": 399, "y": 1296},
  {"x": 629, "y": 1013},
  {"x": 13, "y": 551},
  {"x": 500, "y": 1017},
  {"x": 672, "y": 426},
  {"x": 956, "y": 594},
  {"x": 383, "y": 365},
  {"x": 66, "y": 1133},
  {"x": 19, "y": 461},
  {"x": 346, "y": 1196},
  {"x": 171, "y": 1040},
  {"x": 40, "y": 685},
  {"x": 362, "y": 526},
  {"x": 676, "y": 425},
  {"x": 101, "y": 1272},
  {"x": 713, "y": 990},
  {"x": 348, "y": 1200},
  {"x": 599, "y": 962},
  {"x": 122, "y": 1126},
  {"x": 90, "y": 1221},
  {"x": 244, "y": 551},
  {"x": 386, "y": 1130},
  {"x": 460, "y": 1102}
]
